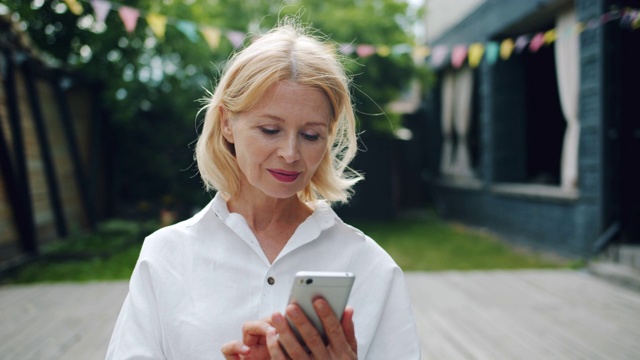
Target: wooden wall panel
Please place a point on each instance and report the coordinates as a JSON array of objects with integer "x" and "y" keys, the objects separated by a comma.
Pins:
[
  {"x": 43, "y": 214},
  {"x": 60, "y": 152}
]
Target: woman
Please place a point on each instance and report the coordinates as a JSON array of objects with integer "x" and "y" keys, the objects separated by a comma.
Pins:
[{"x": 278, "y": 135}]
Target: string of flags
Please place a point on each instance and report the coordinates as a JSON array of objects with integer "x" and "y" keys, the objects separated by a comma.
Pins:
[
  {"x": 492, "y": 50},
  {"x": 437, "y": 55}
]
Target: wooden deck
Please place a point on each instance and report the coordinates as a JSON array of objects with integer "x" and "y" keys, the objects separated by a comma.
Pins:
[{"x": 461, "y": 315}]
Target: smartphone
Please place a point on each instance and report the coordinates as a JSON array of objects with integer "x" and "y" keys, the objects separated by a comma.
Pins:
[{"x": 334, "y": 287}]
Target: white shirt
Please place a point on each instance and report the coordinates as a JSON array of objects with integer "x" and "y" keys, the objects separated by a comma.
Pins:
[{"x": 198, "y": 281}]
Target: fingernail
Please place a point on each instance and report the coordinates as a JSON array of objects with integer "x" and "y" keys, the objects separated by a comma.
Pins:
[
  {"x": 294, "y": 311},
  {"x": 245, "y": 349}
]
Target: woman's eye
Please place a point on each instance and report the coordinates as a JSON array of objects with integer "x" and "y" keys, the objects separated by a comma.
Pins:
[
  {"x": 269, "y": 131},
  {"x": 310, "y": 137}
]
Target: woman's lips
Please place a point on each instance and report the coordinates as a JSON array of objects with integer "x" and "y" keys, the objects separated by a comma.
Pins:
[{"x": 284, "y": 175}]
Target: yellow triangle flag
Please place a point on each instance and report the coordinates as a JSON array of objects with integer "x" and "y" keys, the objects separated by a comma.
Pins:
[
  {"x": 158, "y": 24},
  {"x": 550, "y": 36},
  {"x": 506, "y": 48},
  {"x": 420, "y": 52},
  {"x": 74, "y": 7},
  {"x": 476, "y": 50},
  {"x": 383, "y": 50},
  {"x": 211, "y": 36}
]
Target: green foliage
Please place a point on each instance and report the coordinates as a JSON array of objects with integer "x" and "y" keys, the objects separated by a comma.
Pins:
[
  {"x": 109, "y": 253},
  {"x": 151, "y": 87}
]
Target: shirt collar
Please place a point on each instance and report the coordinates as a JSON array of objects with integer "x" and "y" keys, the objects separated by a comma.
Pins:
[
  {"x": 323, "y": 215},
  {"x": 322, "y": 218}
]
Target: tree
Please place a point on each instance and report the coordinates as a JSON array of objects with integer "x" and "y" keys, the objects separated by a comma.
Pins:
[{"x": 151, "y": 86}]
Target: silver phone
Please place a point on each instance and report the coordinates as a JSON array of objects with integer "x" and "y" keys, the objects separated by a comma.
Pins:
[{"x": 334, "y": 287}]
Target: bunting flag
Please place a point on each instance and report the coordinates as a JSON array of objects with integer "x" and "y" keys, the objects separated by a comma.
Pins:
[
  {"x": 550, "y": 36},
  {"x": 401, "y": 49},
  {"x": 188, "y": 29},
  {"x": 506, "y": 48},
  {"x": 346, "y": 49},
  {"x": 438, "y": 55},
  {"x": 476, "y": 50},
  {"x": 536, "y": 42},
  {"x": 521, "y": 43},
  {"x": 74, "y": 7},
  {"x": 458, "y": 55},
  {"x": 211, "y": 35},
  {"x": 383, "y": 51},
  {"x": 364, "y": 51},
  {"x": 419, "y": 53},
  {"x": 236, "y": 38},
  {"x": 158, "y": 24},
  {"x": 491, "y": 52},
  {"x": 129, "y": 17},
  {"x": 101, "y": 9}
]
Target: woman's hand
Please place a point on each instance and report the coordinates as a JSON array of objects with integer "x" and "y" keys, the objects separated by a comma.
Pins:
[
  {"x": 273, "y": 338},
  {"x": 254, "y": 342},
  {"x": 340, "y": 335}
]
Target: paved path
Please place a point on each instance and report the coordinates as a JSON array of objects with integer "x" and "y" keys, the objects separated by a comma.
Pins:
[{"x": 548, "y": 314}]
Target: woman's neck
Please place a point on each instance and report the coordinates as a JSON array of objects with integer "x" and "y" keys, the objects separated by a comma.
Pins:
[{"x": 272, "y": 221}]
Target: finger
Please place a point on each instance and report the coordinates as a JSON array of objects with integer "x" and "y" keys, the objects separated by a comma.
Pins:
[
  {"x": 310, "y": 335},
  {"x": 233, "y": 349},
  {"x": 332, "y": 326},
  {"x": 273, "y": 344},
  {"x": 288, "y": 339},
  {"x": 349, "y": 328},
  {"x": 254, "y": 331}
]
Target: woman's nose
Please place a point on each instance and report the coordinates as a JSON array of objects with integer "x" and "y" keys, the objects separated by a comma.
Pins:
[{"x": 289, "y": 149}]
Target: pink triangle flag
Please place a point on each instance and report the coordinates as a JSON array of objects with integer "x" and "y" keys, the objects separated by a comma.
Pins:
[
  {"x": 364, "y": 51},
  {"x": 129, "y": 17},
  {"x": 537, "y": 42},
  {"x": 458, "y": 55},
  {"x": 101, "y": 9}
]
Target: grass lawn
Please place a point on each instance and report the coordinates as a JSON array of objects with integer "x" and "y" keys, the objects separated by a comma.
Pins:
[
  {"x": 428, "y": 243},
  {"x": 417, "y": 244}
]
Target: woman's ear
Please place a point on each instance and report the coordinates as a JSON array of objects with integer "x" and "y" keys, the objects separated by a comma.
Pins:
[{"x": 225, "y": 122}]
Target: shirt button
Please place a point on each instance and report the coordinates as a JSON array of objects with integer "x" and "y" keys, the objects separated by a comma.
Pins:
[{"x": 271, "y": 280}]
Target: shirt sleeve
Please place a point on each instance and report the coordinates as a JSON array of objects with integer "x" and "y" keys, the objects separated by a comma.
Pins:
[
  {"x": 395, "y": 336},
  {"x": 385, "y": 326},
  {"x": 137, "y": 333}
]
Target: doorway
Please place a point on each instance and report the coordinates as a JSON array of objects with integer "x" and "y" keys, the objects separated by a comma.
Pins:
[{"x": 621, "y": 130}]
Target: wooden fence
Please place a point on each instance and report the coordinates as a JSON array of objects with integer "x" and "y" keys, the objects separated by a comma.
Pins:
[{"x": 51, "y": 162}]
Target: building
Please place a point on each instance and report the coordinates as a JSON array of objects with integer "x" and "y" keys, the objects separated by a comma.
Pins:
[{"x": 539, "y": 134}]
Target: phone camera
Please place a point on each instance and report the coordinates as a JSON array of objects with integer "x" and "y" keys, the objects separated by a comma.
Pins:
[{"x": 309, "y": 281}]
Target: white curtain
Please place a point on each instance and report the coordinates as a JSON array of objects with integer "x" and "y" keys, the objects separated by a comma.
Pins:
[
  {"x": 567, "y": 56},
  {"x": 462, "y": 121},
  {"x": 447, "y": 122}
]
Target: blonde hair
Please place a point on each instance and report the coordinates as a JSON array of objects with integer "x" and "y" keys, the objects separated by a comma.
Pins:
[{"x": 286, "y": 53}]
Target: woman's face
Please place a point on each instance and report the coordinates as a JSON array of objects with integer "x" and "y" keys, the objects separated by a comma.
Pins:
[{"x": 280, "y": 142}]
